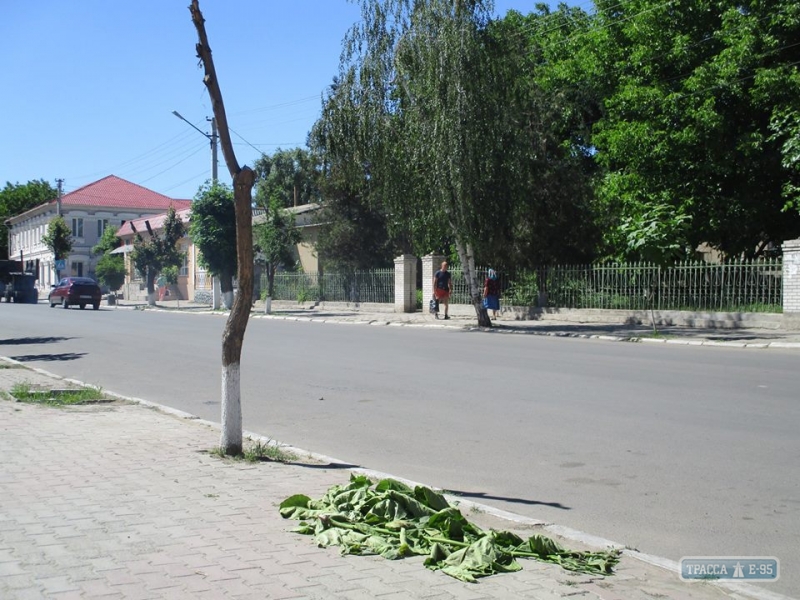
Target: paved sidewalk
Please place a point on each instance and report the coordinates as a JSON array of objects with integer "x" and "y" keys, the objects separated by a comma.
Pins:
[{"x": 121, "y": 500}]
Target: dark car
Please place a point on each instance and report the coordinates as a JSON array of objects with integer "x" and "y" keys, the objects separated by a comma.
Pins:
[
  {"x": 20, "y": 287},
  {"x": 76, "y": 290}
]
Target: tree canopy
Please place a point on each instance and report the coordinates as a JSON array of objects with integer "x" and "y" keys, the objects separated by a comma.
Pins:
[
  {"x": 16, "y": 199},
  {"x": 110, "y": 269},
  {"x": 637, "y": 131},
  {"x": 286, "y": 178},
  {"x": 213, "y": 230},
  {"x": 58, "y": 238}
]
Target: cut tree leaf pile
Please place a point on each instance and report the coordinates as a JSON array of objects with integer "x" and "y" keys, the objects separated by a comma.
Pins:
[{"x": 396, "y": 521}]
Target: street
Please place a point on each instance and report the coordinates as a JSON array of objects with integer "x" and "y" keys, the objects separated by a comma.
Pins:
[{"x": 675, "y": 451}]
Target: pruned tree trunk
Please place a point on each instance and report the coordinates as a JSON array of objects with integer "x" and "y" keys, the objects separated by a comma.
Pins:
[
  {"x": 467, "y": 258},
  {"x": 236, "y": 325},
  {"x": 150, "y": 279}
]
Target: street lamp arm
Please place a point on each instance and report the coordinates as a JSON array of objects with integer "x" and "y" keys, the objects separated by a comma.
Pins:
[{"x": 177, "y": 114}]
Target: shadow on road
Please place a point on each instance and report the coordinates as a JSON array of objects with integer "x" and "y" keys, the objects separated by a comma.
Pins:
[
  {"x": 32, "y": 340},
  {"x": 50, "y": 357},
  {"x": 484, "y": 496}
]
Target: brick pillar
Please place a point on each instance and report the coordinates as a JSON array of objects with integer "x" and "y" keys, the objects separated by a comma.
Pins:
[
  {"x": 430, "y": 264},
  {"x": 405, "y": 283},
  {"x": 791, "y": 284}
]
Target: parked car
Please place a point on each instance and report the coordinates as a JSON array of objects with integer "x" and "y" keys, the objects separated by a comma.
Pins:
[{"x": 76, "y": 290}]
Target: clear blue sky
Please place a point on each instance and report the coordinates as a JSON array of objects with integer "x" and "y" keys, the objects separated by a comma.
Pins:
[{"x": 89, "y": 86}]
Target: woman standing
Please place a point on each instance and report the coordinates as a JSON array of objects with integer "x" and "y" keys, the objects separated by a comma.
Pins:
[{"x": 491, "y": 293}]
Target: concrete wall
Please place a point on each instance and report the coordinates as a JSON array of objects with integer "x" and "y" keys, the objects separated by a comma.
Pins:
[
  {"x": 405, "y": 283},
  {"x": 791, "y": 284}
]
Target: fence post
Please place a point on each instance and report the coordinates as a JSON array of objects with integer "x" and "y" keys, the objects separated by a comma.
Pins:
[
  {"x": 791, "y": 284},
  {"x": 430, "y": 264},
  {"x": 405, "y": 283}
]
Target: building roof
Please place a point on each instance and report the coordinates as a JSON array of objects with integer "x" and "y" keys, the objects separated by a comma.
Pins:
[
  {"x": 114, "y": 193},
  {"x": 156, "y": 222}
]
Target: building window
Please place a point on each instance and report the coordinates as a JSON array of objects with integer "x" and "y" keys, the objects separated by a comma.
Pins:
[
  {"x": 185, "y": 266},
  {"x": 101, "y": 227},
  {"x": 77, "y": 268},
  {"x": 77, "y": 227}
]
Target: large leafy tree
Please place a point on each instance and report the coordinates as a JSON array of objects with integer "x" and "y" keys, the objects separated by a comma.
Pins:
[
  {"x": 287, "y": 178},
  {"x": 58, "y": 239},
  {"x": 454, "y": 134},
  {"x": 158, "y": 250},
  {"x": 213, "y": 229},
  {"x": 16, "y": 199},
  {"x": 542, "y": 118},
  {"x": 410, "y": 121},
  {"x": 700, "y": 109},
  {"x": 355, "y": 232}
]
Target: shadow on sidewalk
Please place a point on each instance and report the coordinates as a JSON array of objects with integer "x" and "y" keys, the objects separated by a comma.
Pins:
[{"x": 484, "y": 496}]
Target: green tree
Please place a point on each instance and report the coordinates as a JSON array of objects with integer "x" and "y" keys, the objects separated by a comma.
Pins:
[
  {"x": 276, "y": 238},
  {"x": 110, "y": 269},
  {"x": 158, "y": 250},
  {"x": 286, "y": 178},
  {"x": 695, "y": 138},
  {"x": 542, "y": 120},
  {"x": 58, "y": 239},
  {"x": 16, "y": 199},
  {"x": 107, "y": 242},
  {"x": 213, "y": 230},
  {"x": 411, "y": 121}
]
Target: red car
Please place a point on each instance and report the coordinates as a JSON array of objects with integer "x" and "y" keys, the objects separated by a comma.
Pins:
[{"x": 76, "y": 290}]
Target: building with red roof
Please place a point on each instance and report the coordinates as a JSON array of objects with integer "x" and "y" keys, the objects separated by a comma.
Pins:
[{"x": 89, "y": 210}]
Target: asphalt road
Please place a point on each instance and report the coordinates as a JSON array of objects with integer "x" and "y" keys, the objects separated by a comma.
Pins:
[{"x": 676, "y": 451}]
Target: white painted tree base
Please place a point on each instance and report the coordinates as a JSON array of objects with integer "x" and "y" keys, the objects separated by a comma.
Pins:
[
  {"x": 231, "y": 440},
  {"x": 227, "y": 300}
]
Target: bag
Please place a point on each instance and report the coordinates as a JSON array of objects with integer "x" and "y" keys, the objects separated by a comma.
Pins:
[{"x": 433, "y": 306}]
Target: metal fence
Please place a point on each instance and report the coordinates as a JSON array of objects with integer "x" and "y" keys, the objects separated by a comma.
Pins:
[
  {"x": 745, "y": 286},
  {"x": 376, "y": 285}
]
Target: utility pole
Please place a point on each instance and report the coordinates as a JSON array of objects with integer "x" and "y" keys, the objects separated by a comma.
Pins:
[
  {"x": 214, "y": 138},
  {"x": 216, "y": 292},
  {"x": 60, "y": 186},
  {"x": 59, "y": 183}
]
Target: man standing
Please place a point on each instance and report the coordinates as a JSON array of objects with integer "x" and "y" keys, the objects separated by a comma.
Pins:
[
  {"x": 161, "y": 283},
  {"x": 442, "y": 288}
]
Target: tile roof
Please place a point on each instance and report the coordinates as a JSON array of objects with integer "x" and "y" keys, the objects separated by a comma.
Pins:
[
  {"x": 114, "y": 192},
  {"x": 156, "y": 222}
]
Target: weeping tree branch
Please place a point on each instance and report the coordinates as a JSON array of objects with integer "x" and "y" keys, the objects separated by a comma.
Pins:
[{"x": 243, "y": 181}]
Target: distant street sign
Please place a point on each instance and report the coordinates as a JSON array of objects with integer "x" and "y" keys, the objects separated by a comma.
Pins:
[{"x": 61, "y": 264}]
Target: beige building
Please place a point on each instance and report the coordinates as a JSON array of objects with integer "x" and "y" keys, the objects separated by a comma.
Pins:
[
  {"x": 135, "y": 286},
  {"x": 305, "y": 219},
  {"x": 193, "y": 278}
]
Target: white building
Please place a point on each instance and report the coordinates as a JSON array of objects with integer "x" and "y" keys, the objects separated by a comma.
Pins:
[{"x": 108, "y": 202}]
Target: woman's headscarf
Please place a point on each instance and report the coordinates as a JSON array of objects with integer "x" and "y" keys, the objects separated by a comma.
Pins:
[{"x": 492, "y": 274}]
